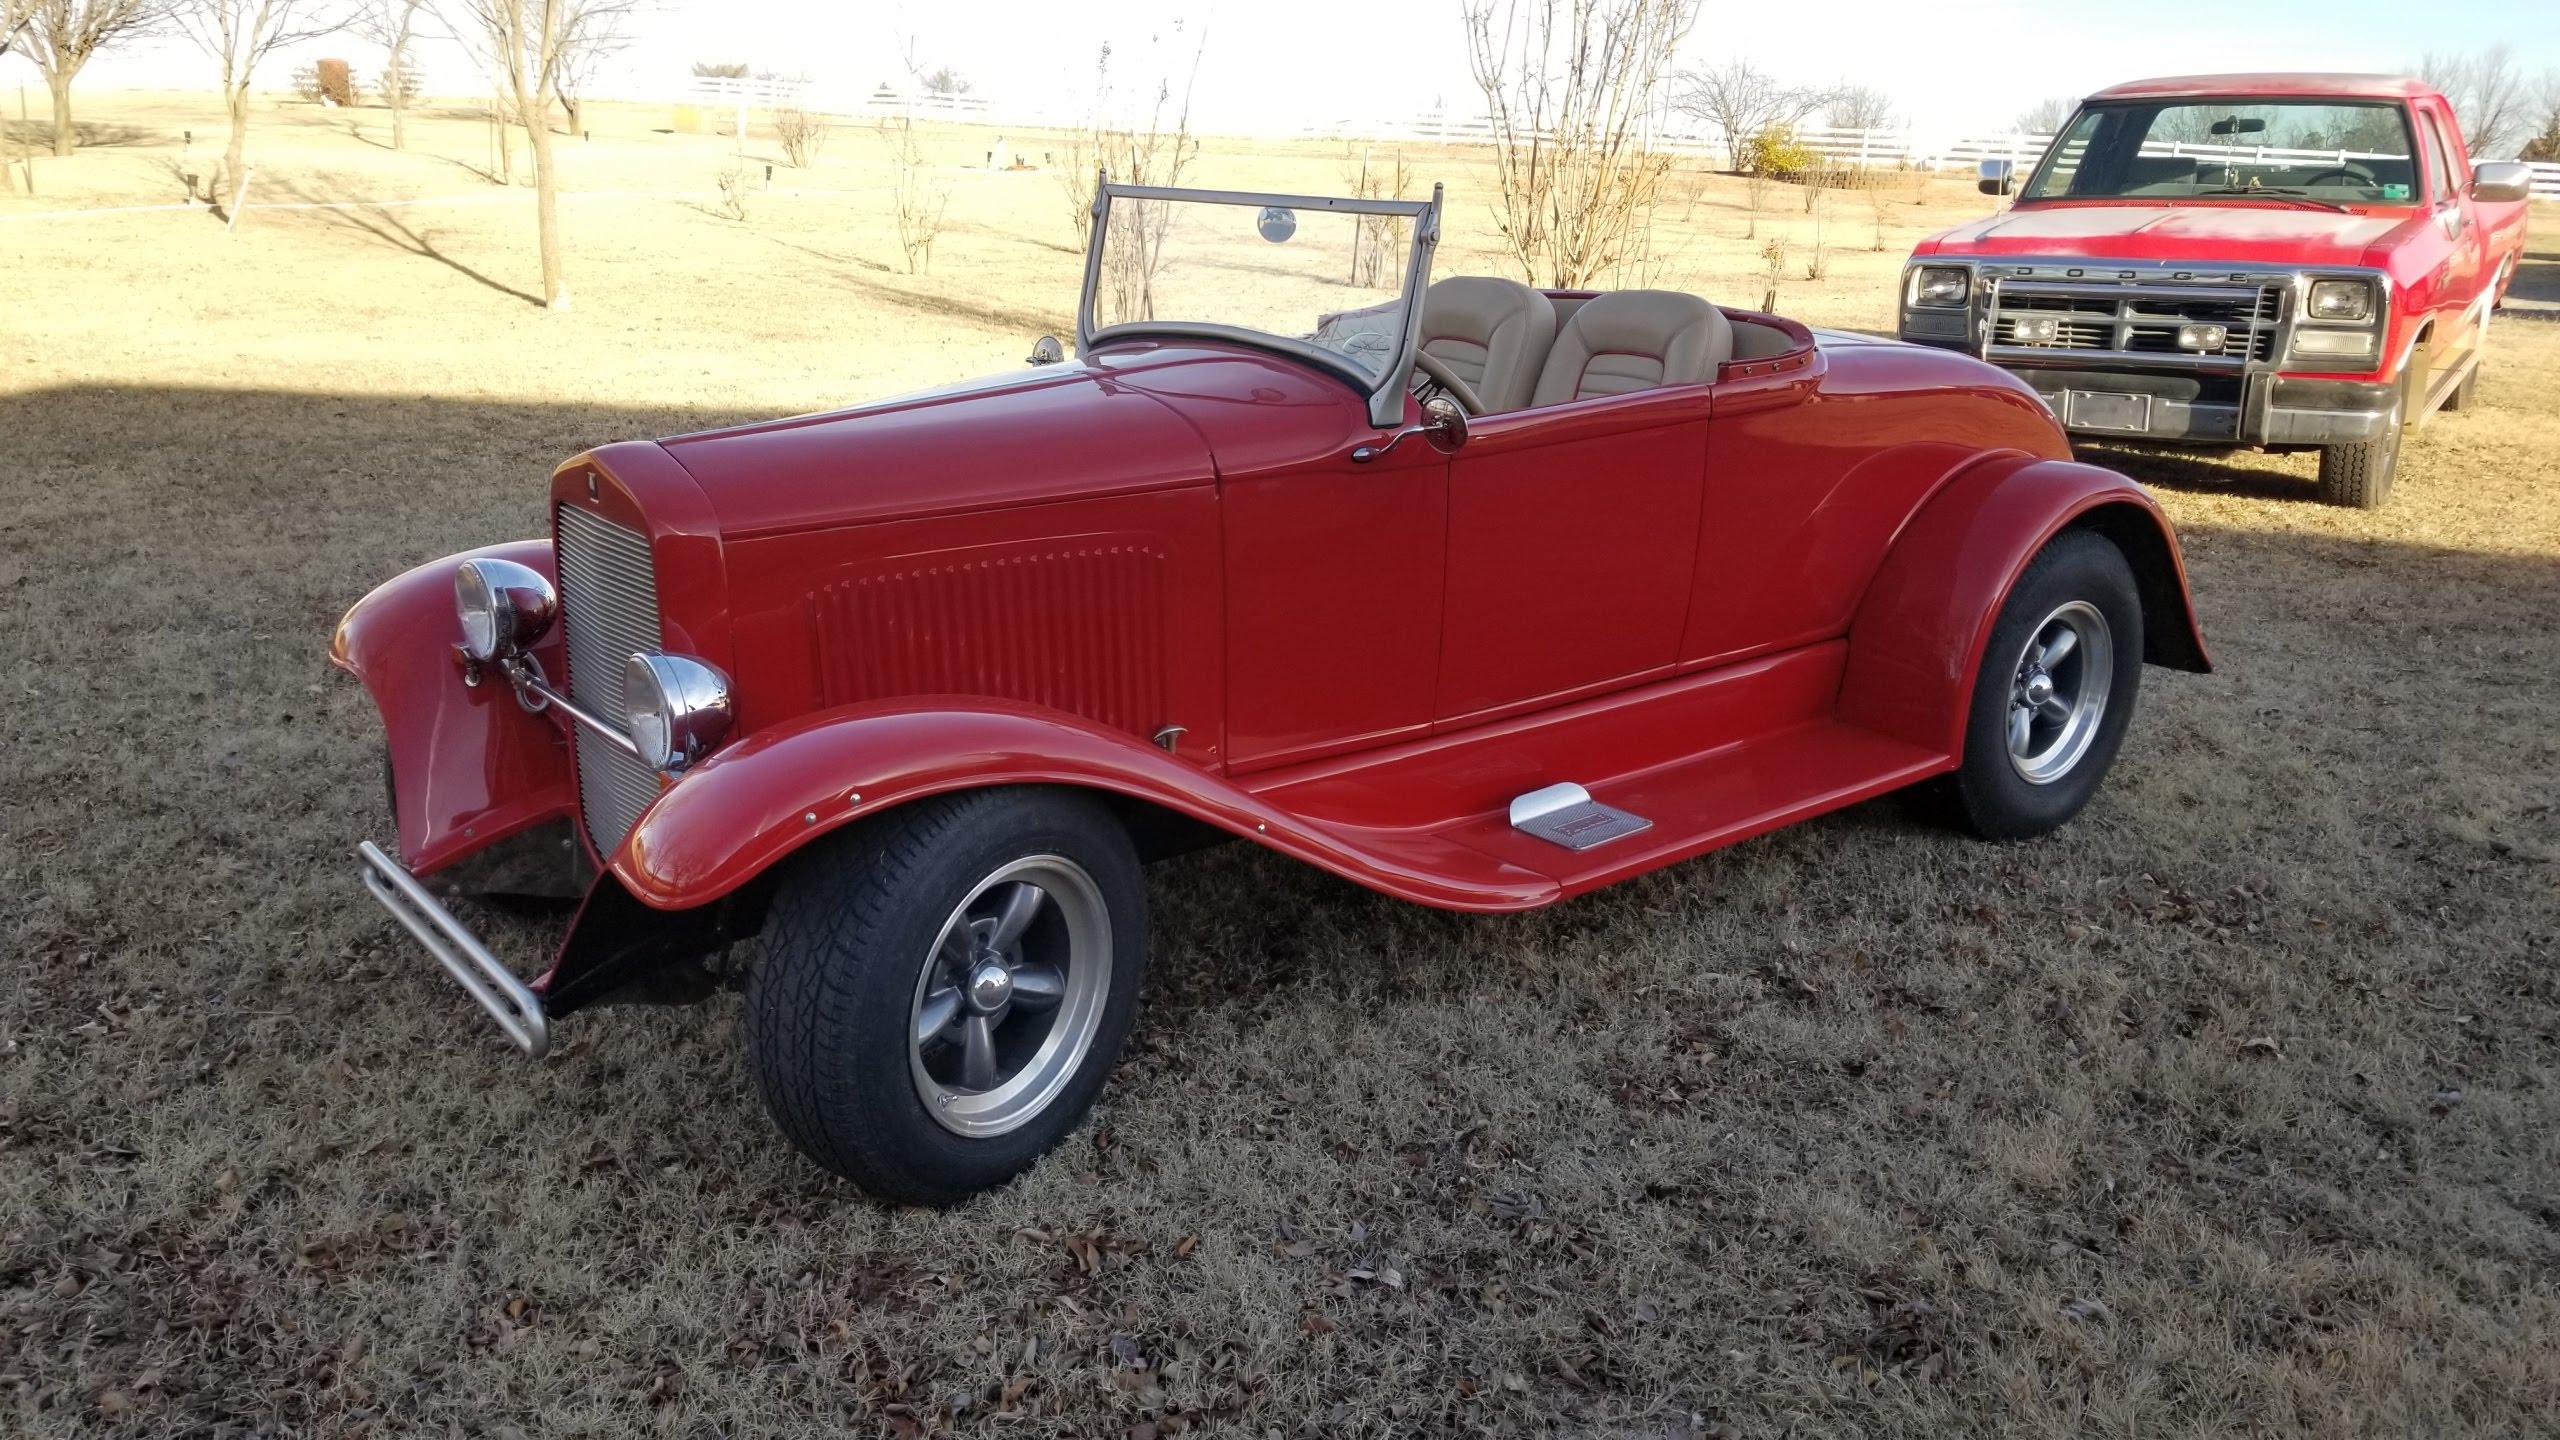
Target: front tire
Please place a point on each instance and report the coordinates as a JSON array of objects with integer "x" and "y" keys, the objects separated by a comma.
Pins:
[
  {"x": 944, "y": 990},
  {"x": 2054, "y": 693},
  {"x": 2359, "y": 476}
]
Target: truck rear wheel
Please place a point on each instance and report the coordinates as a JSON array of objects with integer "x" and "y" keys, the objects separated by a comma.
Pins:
[
  {"x": 2360, "y": 475},
  {"x": 943, "y": 991}
]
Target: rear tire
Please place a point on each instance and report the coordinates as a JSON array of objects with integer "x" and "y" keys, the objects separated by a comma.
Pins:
[
  {"x": 2023, "y": 777},
  {"x": 2359, "y": 476},
  {"x": 907, "y": 925}
]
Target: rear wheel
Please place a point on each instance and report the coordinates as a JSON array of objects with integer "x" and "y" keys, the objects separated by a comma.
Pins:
[
  {"x": 2360, "y": 475},
  {"x": 2054, "y": 694},
  {"x": 944, "y": 991}
]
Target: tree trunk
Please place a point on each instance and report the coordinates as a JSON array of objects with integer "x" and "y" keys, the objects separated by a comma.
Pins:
[
  {"x": 395, "y": 93},
  {"x": 65, "y": 139},
  {"x": 234, "y": 155},
  {"x": 546, "y": 208},
  {"x": 569, "y": 104}
]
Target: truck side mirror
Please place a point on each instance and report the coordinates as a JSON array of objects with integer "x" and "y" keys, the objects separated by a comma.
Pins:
[
  {"x": 2501, "y": 180},
  {"x": 1998, "y": 177}
]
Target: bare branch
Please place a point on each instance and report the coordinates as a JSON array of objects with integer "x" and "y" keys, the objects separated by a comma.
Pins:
[
  {"x": 1742, "y": 101},
  {"x": 2491, "y": 95}
]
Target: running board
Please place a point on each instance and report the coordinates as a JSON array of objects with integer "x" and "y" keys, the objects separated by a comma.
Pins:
[{"x": 1566, "y": 815}]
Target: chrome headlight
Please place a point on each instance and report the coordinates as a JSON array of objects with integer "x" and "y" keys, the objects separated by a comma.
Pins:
[
  {"x": 674, "y": 707},
  {"x": 2347, "y": 300},
  {"x": 1944, "y": 286},
  {"x": 505, "y": 608}
]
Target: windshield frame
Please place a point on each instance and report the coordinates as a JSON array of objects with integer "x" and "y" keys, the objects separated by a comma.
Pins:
[
  {"x": 1385, "y": 395},
  {"x": 2045, "y": 163}
]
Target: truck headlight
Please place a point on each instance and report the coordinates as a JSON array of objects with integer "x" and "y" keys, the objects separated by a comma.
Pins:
[
  {"x": 674, "y": 707},
  {"x": 1941, "y": 285},
  {"x": 505, "y": 608},
  {"x": 2341, "y": 300}
]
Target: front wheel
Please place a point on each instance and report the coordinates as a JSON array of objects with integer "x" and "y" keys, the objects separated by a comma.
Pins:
[
  {"x": 2359, "y": 476},
  {"x": 944, "y": 990},
  {"x": 2054, "y": 693}
]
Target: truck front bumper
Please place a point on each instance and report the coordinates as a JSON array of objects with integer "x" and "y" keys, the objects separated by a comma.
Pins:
[
  {"x": 516, "y": 1006},
  {"x": 2255, "y": 409}
]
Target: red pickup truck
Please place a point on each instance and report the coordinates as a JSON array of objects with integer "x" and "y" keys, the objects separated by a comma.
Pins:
[{"x": 2286, "y": 261}]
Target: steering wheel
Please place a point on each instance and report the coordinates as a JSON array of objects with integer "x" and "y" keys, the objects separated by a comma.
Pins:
[
  {"x": 1450, "y": 385},
  {"x": 2348, "y": 171}
]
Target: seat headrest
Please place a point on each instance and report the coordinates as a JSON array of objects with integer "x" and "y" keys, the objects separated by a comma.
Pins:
[
  {"x": 1630, "y": 340},
  {"x": 1491, "y": 333}
]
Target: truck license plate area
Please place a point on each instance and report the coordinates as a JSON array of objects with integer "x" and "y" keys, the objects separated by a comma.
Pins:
[{"x": 2106, "y": 410}]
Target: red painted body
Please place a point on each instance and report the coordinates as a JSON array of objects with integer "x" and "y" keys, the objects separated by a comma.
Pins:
[
  {"x": 1726, "y": 606},
  {"x": 2444, "y": 254}
]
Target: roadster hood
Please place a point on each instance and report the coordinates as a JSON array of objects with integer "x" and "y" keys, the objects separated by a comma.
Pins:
[
  {"x": 2197, "y": 234},
  {"x": 1054, "y": 433}
]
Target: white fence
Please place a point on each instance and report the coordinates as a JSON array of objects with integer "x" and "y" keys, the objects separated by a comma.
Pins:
[{"x": 1865, "y": 149}]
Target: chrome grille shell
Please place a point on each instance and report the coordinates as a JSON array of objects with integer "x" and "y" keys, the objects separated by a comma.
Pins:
[{"x": 608, "y": 609}]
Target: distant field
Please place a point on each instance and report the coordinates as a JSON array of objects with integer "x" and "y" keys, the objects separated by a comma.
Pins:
[{"x": 2230, "y": 1109}]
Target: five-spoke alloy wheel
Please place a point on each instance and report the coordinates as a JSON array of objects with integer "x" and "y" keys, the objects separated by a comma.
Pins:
[
  {"x": 943, "y": 990},
  {"x": 2054, "y": 692}
]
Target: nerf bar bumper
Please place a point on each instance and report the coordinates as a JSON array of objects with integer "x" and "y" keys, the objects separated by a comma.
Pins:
[{"x": 509, "y": 1001}]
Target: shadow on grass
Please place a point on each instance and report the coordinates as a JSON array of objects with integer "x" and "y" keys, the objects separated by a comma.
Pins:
[
  {"x": 91, "y": 136},
  {"x": 384, "y": 224}
]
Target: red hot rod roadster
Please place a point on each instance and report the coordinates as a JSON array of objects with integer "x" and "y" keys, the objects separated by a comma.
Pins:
[{"x": 1474, "y": 594}]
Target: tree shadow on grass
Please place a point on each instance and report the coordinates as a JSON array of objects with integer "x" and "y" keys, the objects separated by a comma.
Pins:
[
  {"x": 91, "y": 135},
  {"x": 385, "y": 225}
]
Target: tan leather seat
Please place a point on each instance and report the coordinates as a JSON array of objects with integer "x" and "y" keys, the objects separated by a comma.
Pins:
[
  {"x": 1491, "y": 333},
  {"x": 1631, "y": 340}
]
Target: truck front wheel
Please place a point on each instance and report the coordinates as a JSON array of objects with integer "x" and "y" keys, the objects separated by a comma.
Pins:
[
  {"x": 2360, "y": 475},
  {"x": 944, "y": 990}
]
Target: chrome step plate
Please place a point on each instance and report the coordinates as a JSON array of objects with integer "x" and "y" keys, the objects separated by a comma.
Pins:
[{"x": 1566, "y": 815}]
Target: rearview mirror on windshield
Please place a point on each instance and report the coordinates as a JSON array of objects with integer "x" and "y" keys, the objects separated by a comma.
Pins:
[{"x": 2240, "y": 125}]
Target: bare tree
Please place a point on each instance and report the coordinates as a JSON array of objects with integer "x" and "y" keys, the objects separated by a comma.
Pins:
[
  {"x": 2491, "y": 95},
  {"x": 2047, "y": 115},
  {"x": 2545, "y": 145},
  {"x": 592, "y": 35},
  {"x": 1859, "y": 107},
  {"x": 240, "y": 35},
  {"x": 1572, "y": 90},
  {"x": 395, "y": 26},
  {"x": 1742, "y": 101},
  {"x": 1133, "y": 253},
  {"x": 62, "y": 36},
  {"x": 801, "y": 132},
  {"x": 1083, "y": 145},
  {"x": 918, "y": 196},
  {"x": 523, "y": 42}
]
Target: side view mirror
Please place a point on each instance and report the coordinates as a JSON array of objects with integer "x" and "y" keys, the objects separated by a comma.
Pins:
[
  {"x": 1045, "y": 351},
  {"x": 1997, "y": 177},
  {"x": 2501, "y": 180},
  {"x": 1443, "y": 428}
]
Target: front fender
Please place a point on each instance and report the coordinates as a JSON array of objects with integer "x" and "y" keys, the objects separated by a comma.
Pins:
[
  {"x": 1917, "y": 640},
  {"x": 469, "y": 766},
  {"x": 748, "y": 807}
]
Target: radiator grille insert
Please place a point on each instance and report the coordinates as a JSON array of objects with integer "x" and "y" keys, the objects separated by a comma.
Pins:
[{"x": 608, "y": 609}]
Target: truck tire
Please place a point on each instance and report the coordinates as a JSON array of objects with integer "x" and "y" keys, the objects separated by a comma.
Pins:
[
  {"x": 2360, "y": 475},
  {"x": 943, "y": 990},
  {"x": 2053, "y": 695}
]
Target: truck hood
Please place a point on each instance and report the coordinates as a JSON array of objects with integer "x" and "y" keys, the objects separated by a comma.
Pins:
[
  {"x": 2250, "y": 233},
  {"x": 1024, "y": 438}
]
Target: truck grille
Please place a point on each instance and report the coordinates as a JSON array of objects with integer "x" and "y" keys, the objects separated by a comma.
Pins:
[
  {"x": 2138, "y": 320},
  {"x": 608, "y": 609}
]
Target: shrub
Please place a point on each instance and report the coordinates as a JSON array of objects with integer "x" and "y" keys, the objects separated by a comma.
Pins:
[
  {"x": 802, "y": 133},
  {"x": 1778, "y": 154},
  {"x": 734, "y": 189}
]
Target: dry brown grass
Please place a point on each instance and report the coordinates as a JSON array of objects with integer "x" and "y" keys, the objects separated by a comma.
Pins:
[{"x": 2231, "y": 1108}]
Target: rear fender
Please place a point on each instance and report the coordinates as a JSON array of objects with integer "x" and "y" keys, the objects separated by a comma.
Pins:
[
  {"x": 748, "y": 808},
  {"x": 469, "y": 766},
  {"x": 1916, "y": 642}
]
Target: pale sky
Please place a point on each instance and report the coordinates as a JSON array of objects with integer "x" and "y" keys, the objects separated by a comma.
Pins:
[{"x": 1951, "y": 66}]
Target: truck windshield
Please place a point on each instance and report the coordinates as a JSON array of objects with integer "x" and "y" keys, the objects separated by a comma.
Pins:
[{"x": 2340, "y": 151}]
